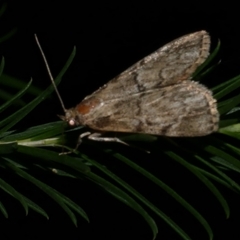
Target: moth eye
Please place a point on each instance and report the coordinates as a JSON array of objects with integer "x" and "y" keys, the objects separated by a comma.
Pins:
[{"x": 71, "y": 122}]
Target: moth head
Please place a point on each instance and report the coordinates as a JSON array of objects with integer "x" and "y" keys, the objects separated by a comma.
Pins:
[{"x": 71, "y": 117}]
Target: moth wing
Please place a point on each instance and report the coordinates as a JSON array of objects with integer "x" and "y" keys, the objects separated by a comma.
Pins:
[
  {"x": 174, "y": 62},
  {"x": 181, "y": 110}
]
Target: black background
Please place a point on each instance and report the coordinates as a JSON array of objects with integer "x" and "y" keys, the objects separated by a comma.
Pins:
[{"x": 109, "y": 38}]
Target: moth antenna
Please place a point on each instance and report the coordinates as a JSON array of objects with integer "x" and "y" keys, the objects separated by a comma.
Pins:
[{"x": 49, "y": 73}]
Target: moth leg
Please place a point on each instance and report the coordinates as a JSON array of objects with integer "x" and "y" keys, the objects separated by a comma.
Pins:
[
  {"x": 78, "y": 143},
  {"x": 81, "y": 136},
  {"x": 98, "y": 137}
]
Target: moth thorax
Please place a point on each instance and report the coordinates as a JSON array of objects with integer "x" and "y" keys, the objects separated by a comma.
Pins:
[{"x": 88, "y": 105}]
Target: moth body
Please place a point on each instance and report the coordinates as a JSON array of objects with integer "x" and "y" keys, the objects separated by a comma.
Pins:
[{"x": 154, "y": 96}]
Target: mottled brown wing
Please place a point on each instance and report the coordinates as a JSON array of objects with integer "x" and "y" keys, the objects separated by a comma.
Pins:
[
  {"x": 181, "y": 110},
  {"x": 174, "y": 62}
]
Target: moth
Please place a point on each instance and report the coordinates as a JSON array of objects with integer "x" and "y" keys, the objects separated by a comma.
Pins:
[{"x": 154, "y": 96}]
